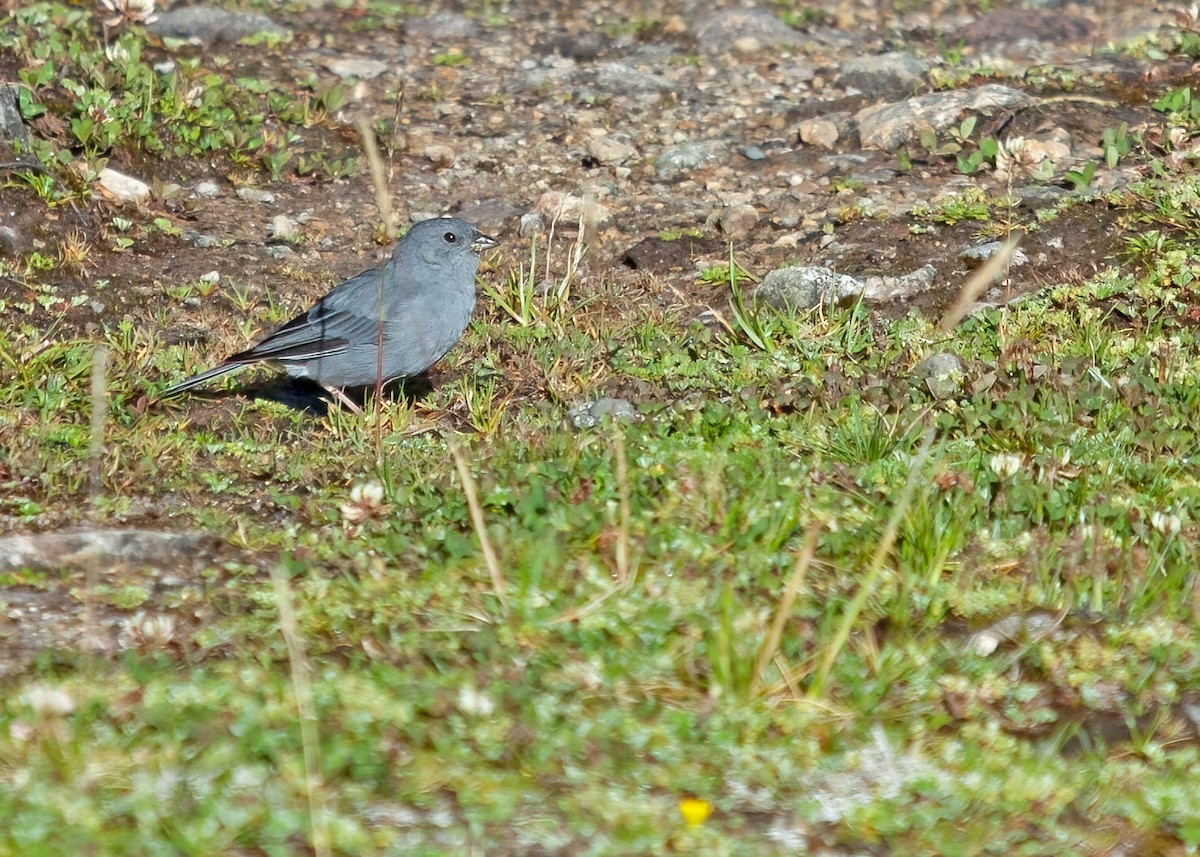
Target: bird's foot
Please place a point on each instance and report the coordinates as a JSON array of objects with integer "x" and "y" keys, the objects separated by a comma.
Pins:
[{"x": 342, "y": 399}]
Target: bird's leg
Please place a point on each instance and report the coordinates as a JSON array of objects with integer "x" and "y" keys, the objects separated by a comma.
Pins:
[{"x": 342, "y": 399}]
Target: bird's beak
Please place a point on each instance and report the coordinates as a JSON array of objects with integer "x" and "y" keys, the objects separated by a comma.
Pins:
[{"x": 483, "y": 242}]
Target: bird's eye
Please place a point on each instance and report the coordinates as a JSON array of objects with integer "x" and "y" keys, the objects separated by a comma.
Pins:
[{"x": 450, "y": 237}]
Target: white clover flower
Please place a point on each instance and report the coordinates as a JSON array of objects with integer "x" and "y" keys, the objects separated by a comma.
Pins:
[
  {"x": 134, "y": 11},
  {"x": 117, "y": 53},
  {"x": 473, "y": 701},
  {"x": 49, "y": 701},
  {"x": 366, "y": 501},
  {"x": 1006, "y": 464},
  {"x": 1016, "y": 154},
  {"x": 143, "y": 631},
  {"x": 1166, "y": 523}
]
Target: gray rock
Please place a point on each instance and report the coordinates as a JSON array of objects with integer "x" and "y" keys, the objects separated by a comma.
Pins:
[
  {"x": 724, "y": 30},
  {"x": 943, "y": 375},
  {"x": 1108, "y": 180},
  {"x": 207, "y": 24},
  {"x": 440, "y": 155},
  {"x": 584, "y": 46},
  {"x": 545, "y": 79},
  {"x": 621, "y": 79},
  {"x": 532, "y": 224},
  {"x": 980, "y": 253},
  {"x": 121, "y": 187},
  {"x": 1040, "y": 193},
  {"x": 796, "y": 71},
  {"x": 818, "y": 132},
  {"x": 805, "y": 287},
  {"x": 846, "y": 162},
  {"x": 883, "y": 175},
  {"x": 168, "y": 190},
  {"x": 207, "y": 189},
  {"x": 9, "y": 243},
  {"x": 882, "y": 74},
  {"x": 443, "y": 27},
  {"x": 206, "y": 242},
  {"x": 253, "y": 194},
  {"x": 737, "y": 221},
  {"x": 885, "y": 289},
  {"x": 608, "y": 149},
  {"x": 752, "y": 153},
  {"x": 689, "y": 156},
  {"x": 593, "y": 413},
  {"x": 490, "y": 215},
  {"x": 12, "y": 127},
  {"x": 360, "y": 68},
  {"x": 101, "y": 549},
  {"x": 284, "y": 228},
  {"x": 1016, "y": 26},
  {"x": 890, "y": 126}
]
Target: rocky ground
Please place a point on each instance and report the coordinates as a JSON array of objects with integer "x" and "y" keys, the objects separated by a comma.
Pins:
[
  {"x": 822, "y": 134},
  {"x": 1018, "y": 598}
]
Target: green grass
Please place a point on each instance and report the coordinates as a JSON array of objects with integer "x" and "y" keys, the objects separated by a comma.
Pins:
[
  {"x": 846, "y": 614},
  {"x": 583, "y": 708},
  {"x": 109, "y": 100}
]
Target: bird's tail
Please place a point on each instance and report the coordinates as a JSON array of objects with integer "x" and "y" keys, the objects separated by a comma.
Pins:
[{"x": 197, "y": 380}]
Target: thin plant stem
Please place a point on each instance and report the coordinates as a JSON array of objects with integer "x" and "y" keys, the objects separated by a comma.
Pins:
[
  {"x": 882, "y": 550},
  {"x": 770, "y": 646},
  {"x": 622, "y": 467},
  {"x": 309, "y": 737},
  {"x": 978, "y": 282},
  {"x": 499, "y": 585},
  {"x": 99, "y": 414},
  {"x": 99, "y": 396},
  {"x": 383, "y": 201}
]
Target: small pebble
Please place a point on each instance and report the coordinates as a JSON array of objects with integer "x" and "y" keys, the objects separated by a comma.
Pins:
[
  {"x": 123, "y": 188},
  {"x": 592, "y": 413},
  {"x": 440, "y": 154},
  {"x": 253, "y": 194},
  {"x": 8, "y": 241},
  {"x": 284, "y": 228}
]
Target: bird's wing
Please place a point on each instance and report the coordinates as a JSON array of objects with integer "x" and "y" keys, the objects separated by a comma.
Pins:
[{"x": 340, "y": 318}]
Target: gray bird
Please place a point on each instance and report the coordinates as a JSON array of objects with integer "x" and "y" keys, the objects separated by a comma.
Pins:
[{"x": 417, "y": 304}]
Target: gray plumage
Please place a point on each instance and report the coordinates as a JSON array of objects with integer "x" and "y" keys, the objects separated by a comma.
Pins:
[{"x": 418, "y": 304}]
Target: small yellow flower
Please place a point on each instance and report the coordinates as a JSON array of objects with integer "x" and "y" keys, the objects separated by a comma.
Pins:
[{"x": 694, "y": 810}]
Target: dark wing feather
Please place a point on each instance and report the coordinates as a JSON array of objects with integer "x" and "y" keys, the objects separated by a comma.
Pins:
[
  {"x": 328, "y": 328},
  {"x": 346, "y": 318}
]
